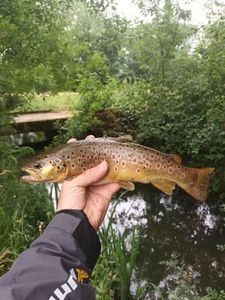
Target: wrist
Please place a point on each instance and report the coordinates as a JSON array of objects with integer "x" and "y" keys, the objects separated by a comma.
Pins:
[{"x": 76, "y": 223}]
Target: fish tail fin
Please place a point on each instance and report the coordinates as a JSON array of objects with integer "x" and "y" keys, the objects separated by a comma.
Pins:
[{"x": 199, "y": 188}]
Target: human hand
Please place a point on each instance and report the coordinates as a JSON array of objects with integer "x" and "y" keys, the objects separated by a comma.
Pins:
[{"x": 81, "y": 193}]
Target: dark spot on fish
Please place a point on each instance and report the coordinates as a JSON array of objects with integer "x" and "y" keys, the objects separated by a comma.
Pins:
[
  {"x": 68, "y": 156},
  {"x": 164, "y": 167},
  {"x": 81, "y": 150},
  {"x": 158, "y": 165},
  {"x": 170, "y": 170},
  {"x": 64, "y": 165},
  {"x": 72, "y": 153},
  {"x": 58, "y": 167},
  {"x": 73, "y": 165},
  {"x": 37, "y": 165}
]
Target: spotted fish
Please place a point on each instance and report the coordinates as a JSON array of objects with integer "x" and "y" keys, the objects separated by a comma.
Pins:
[{"x": 128, "y": 163}]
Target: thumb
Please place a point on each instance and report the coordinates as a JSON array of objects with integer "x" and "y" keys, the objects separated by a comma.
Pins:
[{"x": 92, "y": 175}]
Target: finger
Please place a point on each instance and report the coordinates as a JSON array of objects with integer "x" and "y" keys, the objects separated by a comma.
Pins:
[
  {"x": 71, "y": 141},
  {"x": 91, "y": 176},
  {"x": 90, "y": 137},
  {"x": 108, "y": 189},
  {"x": 113, "y": 188}
]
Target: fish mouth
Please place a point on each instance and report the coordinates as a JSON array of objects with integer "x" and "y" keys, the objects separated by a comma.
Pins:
[
  {"x": 32, "y": 177},
  {"x": 29, "y": 178}
]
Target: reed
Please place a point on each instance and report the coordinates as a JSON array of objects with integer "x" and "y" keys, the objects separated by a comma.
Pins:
[{"x": 112, "y": 276}]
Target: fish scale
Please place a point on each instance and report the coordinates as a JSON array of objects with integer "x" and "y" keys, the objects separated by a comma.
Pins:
[{"x": 128, "y": 163}]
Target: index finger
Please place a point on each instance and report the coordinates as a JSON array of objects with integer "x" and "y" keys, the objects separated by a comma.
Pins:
[{"x": 73, "y": 140}]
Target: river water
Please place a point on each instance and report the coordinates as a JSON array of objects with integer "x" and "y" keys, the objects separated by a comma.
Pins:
[{"x": 179, "y": 226}]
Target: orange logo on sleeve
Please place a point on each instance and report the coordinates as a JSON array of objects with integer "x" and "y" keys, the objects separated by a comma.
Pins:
[{"x": 81, "y": 275}]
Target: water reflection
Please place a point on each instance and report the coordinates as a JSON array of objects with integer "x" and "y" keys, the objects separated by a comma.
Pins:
[{"x": 179, "y": 224}]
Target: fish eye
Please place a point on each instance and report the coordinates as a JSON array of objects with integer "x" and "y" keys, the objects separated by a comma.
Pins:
[{"x": 37, "y": 165}]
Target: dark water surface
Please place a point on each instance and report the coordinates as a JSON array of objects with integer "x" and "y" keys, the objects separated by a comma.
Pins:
[{"x": 179, "y": 224}]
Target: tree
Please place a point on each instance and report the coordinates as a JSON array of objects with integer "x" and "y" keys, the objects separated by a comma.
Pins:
[
  {"x": 154, "y": 45},
  {"x": 31, "y": 40}
]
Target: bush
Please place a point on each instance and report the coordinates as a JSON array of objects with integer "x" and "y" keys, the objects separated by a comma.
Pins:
[{"x": 24, "y": 209}]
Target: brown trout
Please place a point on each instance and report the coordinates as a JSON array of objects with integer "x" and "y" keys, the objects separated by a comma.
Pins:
[{"x": 128, "y": 163}]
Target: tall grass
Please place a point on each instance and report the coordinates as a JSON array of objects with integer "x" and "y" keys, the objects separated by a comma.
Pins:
[
  {"x": 112, "y": 276},
  {"x": 125, "y": 261}
]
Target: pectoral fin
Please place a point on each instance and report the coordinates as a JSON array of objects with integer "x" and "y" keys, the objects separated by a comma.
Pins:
[
  {"x": 127, "y": 185},
  {"x": 165, "y": 186}
]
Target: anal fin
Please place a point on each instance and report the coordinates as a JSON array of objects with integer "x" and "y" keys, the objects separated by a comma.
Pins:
[
  {"x": 164, "y": 185},
  {"x": 127, "y": 185}
]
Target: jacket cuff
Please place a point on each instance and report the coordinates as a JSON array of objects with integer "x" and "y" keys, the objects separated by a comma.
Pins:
[{"x": 84, "y": 234}]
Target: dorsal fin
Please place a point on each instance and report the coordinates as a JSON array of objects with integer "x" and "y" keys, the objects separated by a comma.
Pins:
[
  {"x": 122, "y": 139},
  {"x": 176, "y": 158}
]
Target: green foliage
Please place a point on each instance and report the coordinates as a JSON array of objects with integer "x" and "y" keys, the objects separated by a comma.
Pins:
[
  {"x": 156, "y": 80},
  {"x": 125, "y": 264},
  {"x": 183, "y": 120},
  {"x": 93, "y": 110},
  {"x": 47, "y": 101},
  {"x": 22, "y": 207},
  {"x": 31, "y": 40},
  {"x": 153, "y": 46},
  {"x": 214, "y": 295}
]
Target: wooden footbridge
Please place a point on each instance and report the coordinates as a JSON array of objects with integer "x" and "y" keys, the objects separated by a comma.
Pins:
[
  {"x": 38, "y": 121},
  {"x": 46, "y": 122}
]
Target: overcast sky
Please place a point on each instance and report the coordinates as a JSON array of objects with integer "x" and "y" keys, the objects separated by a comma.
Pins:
[{"x": 127, "y": 9}]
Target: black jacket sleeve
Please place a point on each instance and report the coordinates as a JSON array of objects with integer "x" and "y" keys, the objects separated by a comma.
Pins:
[{"x": 58, "y": 264}]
